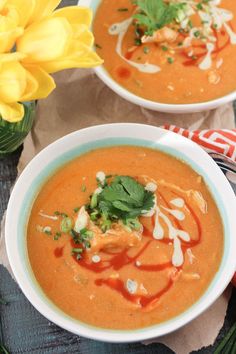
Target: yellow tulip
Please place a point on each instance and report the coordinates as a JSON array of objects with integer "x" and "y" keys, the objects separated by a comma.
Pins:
[
  {"x": 9, "y": 27},
  {"x": 60, "y": 41},
  {"x": 18, "y": 84},
  {"x": 45, "y": 41}
]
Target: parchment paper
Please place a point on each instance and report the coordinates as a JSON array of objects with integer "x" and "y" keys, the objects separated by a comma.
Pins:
[{"x": 82, "y": 100}]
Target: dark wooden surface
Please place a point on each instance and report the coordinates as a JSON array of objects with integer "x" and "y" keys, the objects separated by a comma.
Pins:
[{"x": 24, "y": 330}]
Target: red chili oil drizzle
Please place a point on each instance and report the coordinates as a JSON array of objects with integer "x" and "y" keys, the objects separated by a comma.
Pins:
[
  {"x": 58, "y": 252},
  {"x": 123, "y": 73},
  {"x": 194, "y": 61},
  {"x": 143, "y": 300},
  {"x": 118, "y": 260}
]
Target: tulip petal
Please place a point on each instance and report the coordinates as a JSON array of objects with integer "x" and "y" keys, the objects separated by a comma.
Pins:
[
  {"x": 43, "y": 8},
  {"x": 12, "y": 82},
  {"x": 7, "y": 39},
  {"x": 45, "y": 40},
  {"x": 88, "y": 59},
  {"x": 12, "y": 112},
  {"x": 2, "y": 4},
  {"x": 14, "y": 56},
  {"x": 82, "y": 34},
  {"x": 75, "y": 15},
  {"x": 24, "y": 9},
  {"x": 44, "y": 83}
]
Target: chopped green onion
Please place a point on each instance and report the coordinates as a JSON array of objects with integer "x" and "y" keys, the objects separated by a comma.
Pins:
[
  {"x": 170, "y": 60},
  {"x": 66, "y": 225},
  {"x": 122, "y": 9},
  {"x": 83, "y": 188},
  {"x": 57, "y": 236},
  {"x": 146, "y": 50},
  {"x": 164, "y": 48},
  {"x": 94, "y": 201}
]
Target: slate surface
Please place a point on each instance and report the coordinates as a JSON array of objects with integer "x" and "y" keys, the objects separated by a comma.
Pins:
[{"x": 24, "y": 330}]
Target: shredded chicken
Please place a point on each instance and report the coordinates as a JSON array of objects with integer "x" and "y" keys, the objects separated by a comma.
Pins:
[
  {"x": 118, "y": 237},
  {"x": 165, "y": 34}
]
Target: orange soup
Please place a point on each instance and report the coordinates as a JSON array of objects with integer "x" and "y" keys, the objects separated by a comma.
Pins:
[
  {"x": 179, "y": 52},
  {"x": 125, "y": 237}
]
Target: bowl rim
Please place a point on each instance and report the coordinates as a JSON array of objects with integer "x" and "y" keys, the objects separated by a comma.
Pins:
[
  {"x": 56, "y": 150},
  {"x": 103, "y": 74}
]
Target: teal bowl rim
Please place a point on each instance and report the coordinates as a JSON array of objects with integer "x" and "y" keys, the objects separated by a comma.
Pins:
[{"x": 70, "y": 155}]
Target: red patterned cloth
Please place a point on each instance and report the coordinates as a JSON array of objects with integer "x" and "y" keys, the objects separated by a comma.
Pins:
[{"x": 222, "y": 141}]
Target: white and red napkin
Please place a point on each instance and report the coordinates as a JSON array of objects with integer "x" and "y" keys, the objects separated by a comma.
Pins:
[{"x": 222, "y": 141}]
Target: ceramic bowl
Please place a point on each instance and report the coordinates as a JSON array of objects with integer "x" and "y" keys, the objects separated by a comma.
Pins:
[
  {"x": 156, "y": 106},
  {"x": 69, "y": 147}
]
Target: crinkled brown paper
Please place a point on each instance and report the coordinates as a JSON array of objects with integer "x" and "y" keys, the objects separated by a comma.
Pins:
[{"x": 82, "y": 100}]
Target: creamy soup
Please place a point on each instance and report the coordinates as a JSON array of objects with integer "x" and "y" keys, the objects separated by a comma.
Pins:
[
  {"x": 179, "y": 52},
  {"x": 125, "y": 237}
]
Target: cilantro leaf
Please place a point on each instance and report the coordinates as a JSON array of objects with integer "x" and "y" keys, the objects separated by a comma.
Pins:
[
  {"x": 155, "y": 14},
  {"x": 124, "y": 198}
]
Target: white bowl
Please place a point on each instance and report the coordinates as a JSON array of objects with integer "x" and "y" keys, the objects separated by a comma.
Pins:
[
  {"x": 66, "y": 149},
  {"x": 156, "y": 106}
]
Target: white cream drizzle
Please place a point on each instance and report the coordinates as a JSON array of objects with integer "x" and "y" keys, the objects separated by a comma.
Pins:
[
  {"x": 179, "y": 215},
  {"x": 51, "y": 217},
  {"x": 174, "y": 234},
  {"x": 207, "y": 61},
  {"x": 178, "y": 202},
  {"x": 96, "y": 258},
  {"x": 132, "y": 286},
  {"x": 191, "y": 256},
  {"x": 120, "y": 29}
]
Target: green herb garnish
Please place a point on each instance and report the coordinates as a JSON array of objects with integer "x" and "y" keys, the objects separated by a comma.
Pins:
[
  {"x": 170, "y": 60},
  {"x": 83, "y": 188},
  {"x": 146, "y": 50},
  {"x": 124, "y": 198},
  {"x": 98, "y": 46},
  {"x": 155, "y": 14},
  {"x": 57, "y": 236},
  {"x": 82, "y": 238},
  {"x": 123, "y": 9},
  {"x": 66, "y": 225}
]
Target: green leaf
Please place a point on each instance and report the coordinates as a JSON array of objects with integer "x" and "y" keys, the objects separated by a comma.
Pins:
[
  {"x": 155, "y": 14},
  {"x": 121, "y": 205},
  {"x": 227, "y": 340},
  {"x": 135, "y": 190},
  {"x": 124, "y": 198}
]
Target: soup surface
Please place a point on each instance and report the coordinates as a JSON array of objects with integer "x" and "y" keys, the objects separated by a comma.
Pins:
[
  {"x": 174, "y": 53},
  {"x": 125, "y": 237}
]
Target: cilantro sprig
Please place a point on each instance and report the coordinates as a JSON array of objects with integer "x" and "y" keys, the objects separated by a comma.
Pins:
[
  {"x": 155, "y": 14},
  {"x": 123, "y": 199}
]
